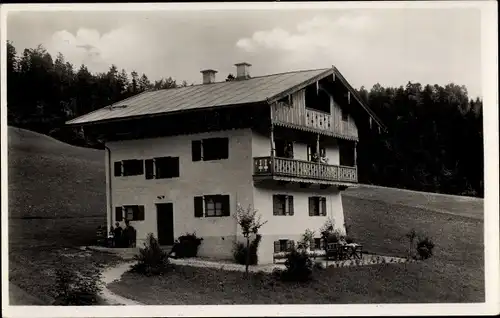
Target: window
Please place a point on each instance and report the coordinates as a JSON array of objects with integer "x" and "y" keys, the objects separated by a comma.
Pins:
[
  {"x": 282, "y": 204},
  {"x": 129, "y": 212},
  {"x": 317, "y": 206},
  {"x": 285, "y": 101},
  {"x": 162, "y": 168},
  {"x": 210, "y": 149},
  {"x": 311, "y": 153},
  {"x": 317, "y": 98},
  {"x": 133, "y": 167},
  {"x": 345, "y": 116},
  {"x": 317, "y": 244},
  {"x": 283, "y": 245},
  {"x": 211, "y": 206}
]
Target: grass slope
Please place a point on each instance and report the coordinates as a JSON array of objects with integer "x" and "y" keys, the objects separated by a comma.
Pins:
[{"x": 57, "y": 198}]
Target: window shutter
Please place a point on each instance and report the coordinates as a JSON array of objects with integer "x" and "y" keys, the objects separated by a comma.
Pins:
[
  {"x": 276, "y": 202},
  {"x": 225, "y": 205},
  {"x": 198, "y": 207},
  {"x": 292, "y": 244},
  {"x": 140, "y": 213},
  {"x": 311, "y": 206},
  {"x": 118, "y": 214},
  {"x": 196, "y": 150},
  {"x": 323, "y": 206},
  {"x": 290, "y": 205},
  {"x": 150, "y": 172},
  {"x": 277, "y": 246},
  {"x": 224, "y": 142},
  {"x": 175, "y": 167},
  {"x": 118, "y": 168}
]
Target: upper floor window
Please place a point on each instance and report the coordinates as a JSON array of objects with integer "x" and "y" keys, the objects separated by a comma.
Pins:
[
  {"x": 283, "y": 148},
  {"x": 210, "y": 149},
  {"x": 312, "y": 154},
  {"x": 317, "y": 206},
  {"x": 211, "y": 206},
  {"x": 317, "y": 98},
  {"x": 162, "y": 168},
  {"x": 133, "y": 167},
  {"x": 282, "y": 204},
  {"x": 345, "y": 115}
]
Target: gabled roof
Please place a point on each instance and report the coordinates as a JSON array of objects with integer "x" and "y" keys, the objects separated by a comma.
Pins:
[{"x": 238, "y": 92}]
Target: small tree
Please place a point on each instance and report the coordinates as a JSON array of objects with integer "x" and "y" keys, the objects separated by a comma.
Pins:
[
  {"x": 307, "y": 238},
  {"x": 411, "y": 236},
  {"x": 250, "y": 223}
]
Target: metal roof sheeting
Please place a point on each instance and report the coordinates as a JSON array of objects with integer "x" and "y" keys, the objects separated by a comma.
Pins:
[{"x": 253, "y": 90}]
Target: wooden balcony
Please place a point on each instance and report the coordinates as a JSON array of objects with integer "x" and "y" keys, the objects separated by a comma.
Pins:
[{"x": 303, "y": 171}]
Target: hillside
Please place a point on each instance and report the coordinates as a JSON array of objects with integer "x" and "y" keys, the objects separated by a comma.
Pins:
[{"x": 57, "y": 198}]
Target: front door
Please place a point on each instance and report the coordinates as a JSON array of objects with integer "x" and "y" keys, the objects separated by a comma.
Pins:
[{"x": 165, "y": 220}]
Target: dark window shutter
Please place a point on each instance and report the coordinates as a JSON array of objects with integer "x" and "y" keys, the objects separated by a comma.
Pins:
[
  {"x": 150, "y": 173},
  {"x": 118, "y": 168},
  {"x": 140, "y": 213},
  {"x": 118, "y": 214},
  {"x": 277, "y": 246},
  {"x": 175, "y": 167},
  {"x": 290, "y": 205},
  {"x": 196, "y": 150},
  {"x": 225, "y": 205},
  {"x": 224, "y": 142},
  {"x": 311, "y": 206},
  {"x": 198, "y": 207},
  {"x": 276, "y": 202},
  {"x": 323, "y": 206}
]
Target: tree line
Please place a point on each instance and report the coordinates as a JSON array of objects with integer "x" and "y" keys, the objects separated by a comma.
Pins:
[{"x": 434, "y": 140}]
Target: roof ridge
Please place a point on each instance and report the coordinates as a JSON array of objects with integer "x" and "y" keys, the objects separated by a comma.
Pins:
[{"x": 260, "y": 76}]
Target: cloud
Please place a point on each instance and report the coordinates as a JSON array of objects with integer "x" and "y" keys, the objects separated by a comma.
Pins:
[
  {"x": 127, "y": 47},
  {"x": 316, "y": 33}
]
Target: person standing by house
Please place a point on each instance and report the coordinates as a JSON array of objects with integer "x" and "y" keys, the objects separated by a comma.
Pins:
[
  {"x": 118, "y": 235},
  {"x": 129, "y": 234}
]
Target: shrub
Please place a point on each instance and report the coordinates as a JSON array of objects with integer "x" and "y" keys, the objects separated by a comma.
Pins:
[
  {"x": 425, "y": 247},
  {"x": 77, "y": 287},
  {"x": 152, "y": 260},
  {"x": 240, "y": 251},
  {"x": 307, "y": 238},
  {"x": 299, "y": 266},
  {"x": 318, "y": 266},
  {"x": 188, "y": 245}
]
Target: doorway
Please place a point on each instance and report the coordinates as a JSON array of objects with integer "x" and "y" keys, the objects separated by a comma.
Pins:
[{"x": 165, "y": 221}]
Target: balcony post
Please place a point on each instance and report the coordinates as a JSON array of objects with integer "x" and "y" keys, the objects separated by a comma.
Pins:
[
  {"x": 271, "y": 138},
  {"x": 317, "y": 147},
  {"x": 355, "y": 154}
]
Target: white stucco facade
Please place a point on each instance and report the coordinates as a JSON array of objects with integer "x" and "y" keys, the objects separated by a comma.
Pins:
[{"x": 232, "y": 176}]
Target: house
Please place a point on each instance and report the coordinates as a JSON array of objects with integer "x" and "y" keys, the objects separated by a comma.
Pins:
[{"x": 180, "y": 160}]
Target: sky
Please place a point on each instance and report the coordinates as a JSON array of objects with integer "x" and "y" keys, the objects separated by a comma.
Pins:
[{"x": 368, "y": 46}]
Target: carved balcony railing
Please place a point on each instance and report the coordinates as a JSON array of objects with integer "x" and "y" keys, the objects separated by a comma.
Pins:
[{"x": 300, "y": 169}]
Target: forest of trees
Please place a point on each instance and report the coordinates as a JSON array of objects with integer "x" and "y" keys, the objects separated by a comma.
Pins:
[{"x": 434, "y": 140}]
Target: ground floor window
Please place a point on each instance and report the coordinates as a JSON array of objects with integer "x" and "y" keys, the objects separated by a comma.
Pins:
[
  {"x": 283, "y": 245},
  {"x": 211, "y": 206},
  {"x": 129, "y": 212}
]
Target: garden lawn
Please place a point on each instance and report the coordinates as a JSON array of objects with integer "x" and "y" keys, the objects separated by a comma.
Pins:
[{"x": 454, "y": 274}]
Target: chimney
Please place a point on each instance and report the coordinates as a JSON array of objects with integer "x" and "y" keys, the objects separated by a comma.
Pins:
[
  {"x": 208, "y": 76},
  {"x": 242, "y": 70}
]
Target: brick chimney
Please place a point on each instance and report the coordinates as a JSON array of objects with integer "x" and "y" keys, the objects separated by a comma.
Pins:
[
  {"x": 242, "y": 70},
  {"x": 208, "y": 76}
]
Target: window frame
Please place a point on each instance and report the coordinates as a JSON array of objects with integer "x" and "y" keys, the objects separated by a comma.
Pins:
[
  {"x": 319, "y": 204},
  {"x": 199, "y": 149},
  {"x": 224, "y": 200},
  {"x": 288, "y": 205}
]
